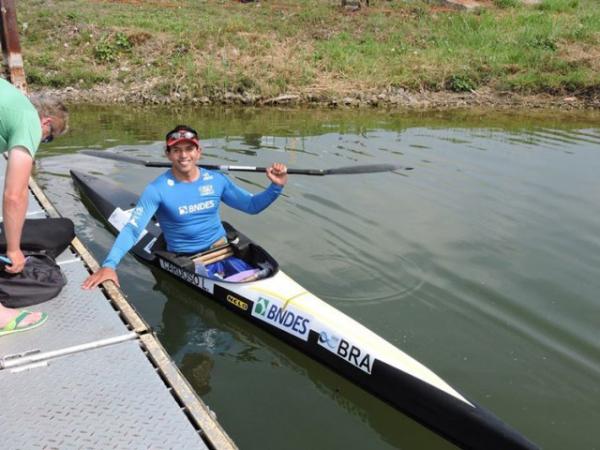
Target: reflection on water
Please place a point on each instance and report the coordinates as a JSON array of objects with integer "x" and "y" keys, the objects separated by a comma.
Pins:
[
  {"x": 197, "y": 367},
  {"x": 481, "y": 263}
]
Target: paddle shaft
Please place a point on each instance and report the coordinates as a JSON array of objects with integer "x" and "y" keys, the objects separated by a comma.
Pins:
[
  {"x": 350, "y": 170},
  {"x": 241, "y": 168}
]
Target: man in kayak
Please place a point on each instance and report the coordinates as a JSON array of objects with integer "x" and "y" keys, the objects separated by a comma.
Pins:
[
  {"x": 24, "y": 123},
  {"x": 186, "y": 202}
]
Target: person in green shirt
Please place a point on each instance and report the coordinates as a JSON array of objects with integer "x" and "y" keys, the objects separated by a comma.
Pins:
[{"x": 24, "y": 123}]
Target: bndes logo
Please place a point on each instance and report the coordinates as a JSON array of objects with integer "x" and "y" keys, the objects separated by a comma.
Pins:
[
  {"x": 287, "y": 319},
  {"x": 190, "y": 209}
]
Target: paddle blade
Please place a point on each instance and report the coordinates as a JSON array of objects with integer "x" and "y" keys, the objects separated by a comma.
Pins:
[{"x": 369, "y": 168}]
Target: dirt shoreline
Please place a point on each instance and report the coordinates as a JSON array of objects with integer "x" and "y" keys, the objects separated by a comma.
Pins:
[{"x": 387, "y": 99}]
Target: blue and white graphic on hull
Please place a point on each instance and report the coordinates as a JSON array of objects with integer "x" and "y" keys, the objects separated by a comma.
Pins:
[{"x": 288, "y": 319}]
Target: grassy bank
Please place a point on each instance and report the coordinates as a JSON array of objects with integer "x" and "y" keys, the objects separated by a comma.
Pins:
[{"x": 213, "y": 49}]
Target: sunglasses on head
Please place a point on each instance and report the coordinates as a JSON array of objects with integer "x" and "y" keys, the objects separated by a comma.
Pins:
[{"x": 182, "y": 134}]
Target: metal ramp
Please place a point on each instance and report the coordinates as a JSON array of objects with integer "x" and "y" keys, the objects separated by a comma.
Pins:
[
  {"x": 93, "y": 376},
  {"x": 104, "y": 398}
]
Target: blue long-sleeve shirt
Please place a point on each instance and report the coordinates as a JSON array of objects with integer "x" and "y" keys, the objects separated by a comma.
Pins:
[{"x": 188, "y": 212}]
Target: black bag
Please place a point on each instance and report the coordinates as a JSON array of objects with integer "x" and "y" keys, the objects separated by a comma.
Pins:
[
  {"x": 42, "y": 240},
  {"x": 50, "y": 235},
  {"x": 40, "y": 280}
]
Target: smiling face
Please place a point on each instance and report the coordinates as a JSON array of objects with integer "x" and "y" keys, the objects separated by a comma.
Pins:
[{"x": 184, "y": 156}]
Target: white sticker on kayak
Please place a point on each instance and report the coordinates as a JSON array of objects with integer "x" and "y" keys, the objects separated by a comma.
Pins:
[
  {"x": 343, "y": 348},
  {"x": 119, "y": 218},
  {"x": 287, "y": 319}
]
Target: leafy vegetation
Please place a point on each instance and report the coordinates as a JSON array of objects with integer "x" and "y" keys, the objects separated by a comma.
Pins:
[{"x": 197, "y": 48}]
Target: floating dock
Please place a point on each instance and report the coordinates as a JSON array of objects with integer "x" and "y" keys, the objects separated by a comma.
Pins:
[{"x": 94, "y": 376}]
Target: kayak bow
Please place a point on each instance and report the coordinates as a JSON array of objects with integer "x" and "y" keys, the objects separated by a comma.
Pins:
[{"x": 286, "y": 310}]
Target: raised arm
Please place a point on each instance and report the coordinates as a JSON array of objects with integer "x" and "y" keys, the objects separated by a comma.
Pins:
[{"x": 242, "y": 200}]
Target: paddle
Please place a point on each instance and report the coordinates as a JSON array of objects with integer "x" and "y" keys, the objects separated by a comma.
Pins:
[{"x": 350, "y": 170}]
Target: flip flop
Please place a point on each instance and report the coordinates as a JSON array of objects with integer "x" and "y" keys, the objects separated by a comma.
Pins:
[{"x": 13, "y": 325}]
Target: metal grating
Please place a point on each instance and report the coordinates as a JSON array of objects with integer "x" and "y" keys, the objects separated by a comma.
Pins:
[
  {"x": 108, "y": 397},
  {"x": 75, "y": 317},
  {"x": 120, "y": 404}
]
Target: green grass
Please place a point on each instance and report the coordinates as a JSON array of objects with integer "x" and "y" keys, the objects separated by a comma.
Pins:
[{"x": 210, "y": 47}]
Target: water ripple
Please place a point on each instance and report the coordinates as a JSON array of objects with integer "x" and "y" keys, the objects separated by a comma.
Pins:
[{"x": 359, "y": 283}]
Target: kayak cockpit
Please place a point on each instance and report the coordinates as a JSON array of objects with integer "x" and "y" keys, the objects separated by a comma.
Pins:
[{"x": 238, "y": 261}]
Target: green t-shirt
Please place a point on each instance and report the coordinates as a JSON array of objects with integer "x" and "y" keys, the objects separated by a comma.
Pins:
[{"x": 20, "y": 124}]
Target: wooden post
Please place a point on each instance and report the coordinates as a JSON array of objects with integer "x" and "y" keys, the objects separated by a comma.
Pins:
[{"x": 11, "y": 49}]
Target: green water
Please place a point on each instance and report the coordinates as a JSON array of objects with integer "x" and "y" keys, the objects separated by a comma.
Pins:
[{"x": 482, "y": 263}]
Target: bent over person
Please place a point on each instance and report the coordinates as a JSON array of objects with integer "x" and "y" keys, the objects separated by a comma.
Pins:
[
  {"x": 23, "y": 125},
  {"x": 186, "y": 202}
]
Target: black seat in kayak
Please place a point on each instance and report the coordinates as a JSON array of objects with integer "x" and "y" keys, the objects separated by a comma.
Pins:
[{"x": 185, "y": 262}]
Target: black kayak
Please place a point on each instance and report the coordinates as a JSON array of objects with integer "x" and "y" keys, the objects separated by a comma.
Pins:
[{"x": 276, "y": 303}]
